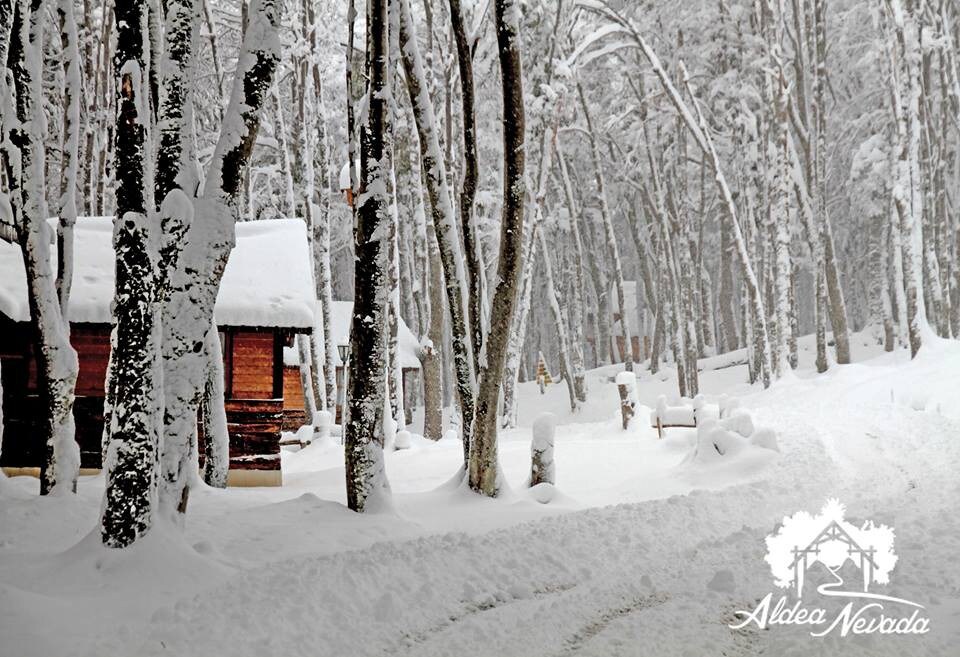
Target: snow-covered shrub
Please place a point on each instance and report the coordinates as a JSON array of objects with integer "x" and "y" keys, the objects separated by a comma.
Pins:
[
  {"x": 727, "y": 405},
  {"x": 720, "y": 439},
  {"x": 712, "y": 443},
  {"x": 740, "y": 422},
  {"x": 542, "y": 469},
  {"x": 305, "y": 434},
  {"x": 703, "y": 411},
  {"x": 402, "y": 441},
  {"x": 765, "y": 438}
]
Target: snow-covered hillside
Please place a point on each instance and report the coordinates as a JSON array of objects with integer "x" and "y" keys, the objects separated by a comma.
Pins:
[{"x": 638, "y": 550}]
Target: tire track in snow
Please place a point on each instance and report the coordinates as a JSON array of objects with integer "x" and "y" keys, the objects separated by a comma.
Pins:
[
  {"x": 577, "y": 641},
  {"x": 414, "y": 640}
]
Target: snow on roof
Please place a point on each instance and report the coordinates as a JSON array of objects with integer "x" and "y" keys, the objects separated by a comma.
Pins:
[
  {"x": 345, "y": 175},
  {"x": 340, "y": 318},
  {"x": 268, "y": 280}
]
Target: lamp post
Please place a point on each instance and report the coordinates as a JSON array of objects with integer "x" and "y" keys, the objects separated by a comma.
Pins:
[{"x": 344, "y": 351}]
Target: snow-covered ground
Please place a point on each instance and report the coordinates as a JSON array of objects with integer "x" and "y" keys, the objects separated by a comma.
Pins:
[{"x": 640, "y": 550}]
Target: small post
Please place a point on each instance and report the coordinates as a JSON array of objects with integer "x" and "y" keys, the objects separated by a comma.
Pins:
[
  {"x": 661, "y": 413},
  {"x": 542, "y": 469},
  {"x": 625, "y": 386}
]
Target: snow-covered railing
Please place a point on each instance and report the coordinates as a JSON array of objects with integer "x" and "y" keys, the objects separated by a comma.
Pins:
[{"x": 689, "y": 413}]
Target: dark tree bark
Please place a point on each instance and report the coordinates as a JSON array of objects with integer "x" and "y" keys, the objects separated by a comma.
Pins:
[
  {"x": 483, "y": 467},
  {"x": 363, "y": 430},
  {"x": 468, "y": 189},
  {"x": 24, "y": 163},
  {"x": 132, "y": 451},
  {"x": 441, "y": 207}
]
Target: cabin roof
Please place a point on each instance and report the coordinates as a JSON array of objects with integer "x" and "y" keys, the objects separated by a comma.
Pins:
[
  {"x": 268, "y": 280},
  {"x": 340, "y": 328}
]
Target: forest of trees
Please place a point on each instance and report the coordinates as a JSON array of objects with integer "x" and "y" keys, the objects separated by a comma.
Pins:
[{"x": 750, "y": 170}]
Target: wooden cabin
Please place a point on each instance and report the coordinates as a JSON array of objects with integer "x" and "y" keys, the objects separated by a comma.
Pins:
[
  {"x": 265, "y": 299},
  {"x": 340, "y": 317}
]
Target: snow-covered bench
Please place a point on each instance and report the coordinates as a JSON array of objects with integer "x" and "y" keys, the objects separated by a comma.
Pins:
[
  {"x": 687, "y": 415},
  {"x": 664, "y": 417}
]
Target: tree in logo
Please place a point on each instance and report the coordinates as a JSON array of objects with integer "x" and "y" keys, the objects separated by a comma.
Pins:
[{"x": 827, "y": 538}]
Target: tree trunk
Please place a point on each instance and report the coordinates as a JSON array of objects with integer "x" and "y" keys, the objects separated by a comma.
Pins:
[
  {"x": 907, "y": 188},
  {"x": 216, "y": 454},
  {"x": 838, "y": 308},
  {"x": 563, "y": 351},
  {"x": 132, "y": 452},
  {"x": 363, "y": 430},
  {"x": 194, "y": 282},
  {"x": 611, "y": 237},
  {"x": 468, "y": 190},
  {"x": 579, "y": 293},
  {"x": 483, "y": 468},
  {"x": 729, "y": 340},
  {"x": 24, "y": 164},
  {"x": 305, "y": 356},
  {"x": 441, "y": 205},
  {"x": 70, "y": 152}
]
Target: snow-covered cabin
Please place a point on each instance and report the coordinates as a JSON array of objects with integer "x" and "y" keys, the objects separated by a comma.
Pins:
[
  {"x": 266, "y": 297},
  {"x": 341, "y": 313}
]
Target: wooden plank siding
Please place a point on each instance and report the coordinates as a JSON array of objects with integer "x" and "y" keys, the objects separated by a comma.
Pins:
[
  {"x": 294, "y": 415},
  {"x": 252, "y": 354},
  {"x": 92, "y": 343},
  {"x": 23, "y": 445},
  {"x": 254, "y": 386},
  {"x": 254, "y": 426}
]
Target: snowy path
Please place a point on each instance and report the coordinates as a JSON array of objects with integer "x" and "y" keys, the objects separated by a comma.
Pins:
[
  {"x": 627, "y": 580},
  {"x": 651, "y": 577}
]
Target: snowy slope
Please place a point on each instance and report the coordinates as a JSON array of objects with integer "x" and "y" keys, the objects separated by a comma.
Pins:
[{"x": 638, "y": 553}]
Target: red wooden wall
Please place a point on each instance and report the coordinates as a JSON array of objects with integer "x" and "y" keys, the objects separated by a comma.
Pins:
[{"x": 253, "y": 370}]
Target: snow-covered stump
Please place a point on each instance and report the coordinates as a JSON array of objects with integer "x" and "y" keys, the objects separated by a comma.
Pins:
[
  {"x": 323, "y": 425},
  {"x": 402, "y": 440},
  {"x": 626, "y": 386},
  {"x": 542, "y": 468}
]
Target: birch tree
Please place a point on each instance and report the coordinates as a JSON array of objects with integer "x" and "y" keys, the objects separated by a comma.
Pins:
[
  {"x": 363, "y": 429},
  {"x": 906, "y": 53},
  {"x": 195, "y": 281},
  {"x": 434, "y": 171},
  {"x": 483, "y": 471},
  {"x": 130, "y": 498},
  {"x": 24, "y": 159}
]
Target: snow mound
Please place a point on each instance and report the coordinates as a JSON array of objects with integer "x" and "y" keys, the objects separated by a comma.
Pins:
[{"x": 724, "y": 440}]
